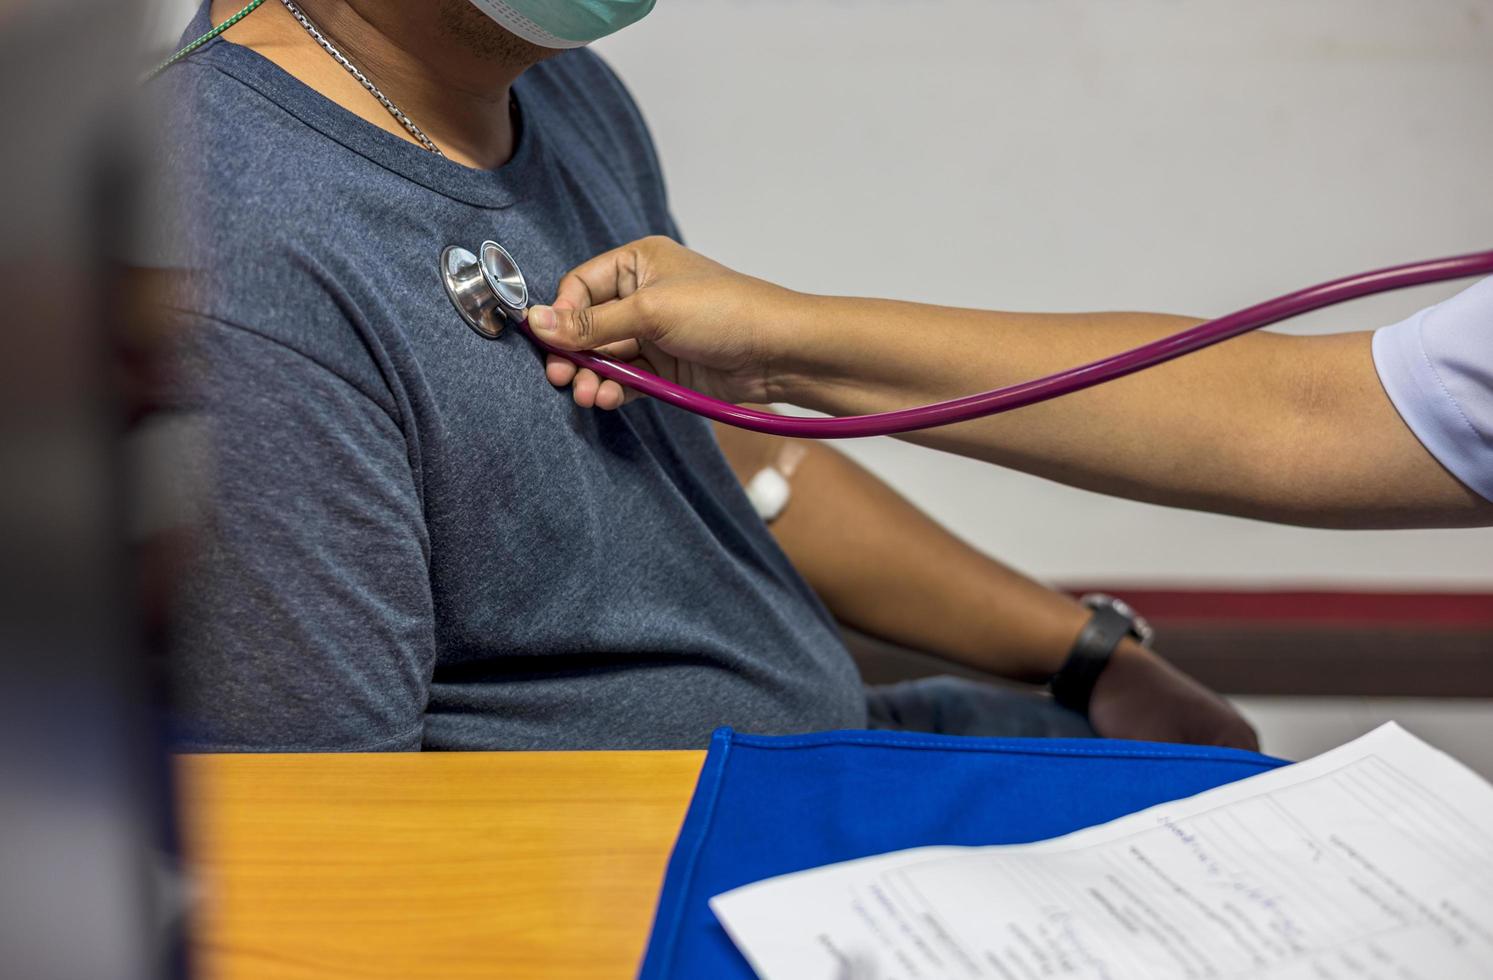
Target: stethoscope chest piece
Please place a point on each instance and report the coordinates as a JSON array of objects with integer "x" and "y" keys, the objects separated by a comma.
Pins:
[{"x": 487, "y": 289}]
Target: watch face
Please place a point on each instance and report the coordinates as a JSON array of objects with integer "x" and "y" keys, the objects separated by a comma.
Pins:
[{"x": 1139, "y": 627}]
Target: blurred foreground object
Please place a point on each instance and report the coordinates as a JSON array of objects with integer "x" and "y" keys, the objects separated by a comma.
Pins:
[{"x": 85, "y": 871}]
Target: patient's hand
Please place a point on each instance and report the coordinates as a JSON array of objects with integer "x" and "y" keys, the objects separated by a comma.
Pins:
[{"x": 1141, "y": 696}]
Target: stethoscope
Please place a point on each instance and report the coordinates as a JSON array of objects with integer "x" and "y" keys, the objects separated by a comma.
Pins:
[{"x": 489, "y": 290}]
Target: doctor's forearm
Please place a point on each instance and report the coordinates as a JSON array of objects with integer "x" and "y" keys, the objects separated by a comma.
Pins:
[
  {"x": 1292, "y": 429},
  {"x": 1282, "y": 428},
  {"x": 1153, "y": 436}
]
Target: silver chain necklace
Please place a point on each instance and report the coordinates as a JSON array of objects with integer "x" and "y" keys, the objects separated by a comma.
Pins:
[{"x": 352, "y": 70}]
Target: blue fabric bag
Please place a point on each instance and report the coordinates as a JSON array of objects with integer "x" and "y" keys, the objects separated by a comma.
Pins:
[{"x": 766, "y": 806}]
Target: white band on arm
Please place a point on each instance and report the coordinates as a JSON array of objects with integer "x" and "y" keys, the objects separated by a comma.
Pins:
[{"x": 769, "y": 492}]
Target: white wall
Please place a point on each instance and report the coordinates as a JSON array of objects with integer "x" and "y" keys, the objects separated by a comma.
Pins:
[
  {"x": 1076, "y": 154},
  {"x": 1081, "y": 154}
]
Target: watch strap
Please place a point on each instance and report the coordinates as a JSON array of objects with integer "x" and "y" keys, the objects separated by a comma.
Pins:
[{"x": 1073, "y": 685}]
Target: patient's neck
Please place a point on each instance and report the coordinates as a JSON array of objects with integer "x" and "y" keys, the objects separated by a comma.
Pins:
[{"x": 442, "y": 62}]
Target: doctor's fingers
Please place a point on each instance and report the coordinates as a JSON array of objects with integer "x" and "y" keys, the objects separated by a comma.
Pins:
[
  {"x": 616, "y": 274},
  {"x": 613, "y": 327},
  {"x": 588, "y": 390}
]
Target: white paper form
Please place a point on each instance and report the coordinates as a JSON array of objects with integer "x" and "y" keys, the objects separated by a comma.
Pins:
[{"x": 1373, "y": 860}]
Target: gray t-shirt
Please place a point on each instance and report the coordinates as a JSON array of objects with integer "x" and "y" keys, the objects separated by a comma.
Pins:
[{"x": 415, "y": 541}]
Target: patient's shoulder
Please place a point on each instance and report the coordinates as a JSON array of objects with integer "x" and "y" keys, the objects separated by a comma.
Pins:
[
  {"x": 599, "y": 112},
  {"x": 588, "y": 86},
  {"x": 261, "y": 224}
]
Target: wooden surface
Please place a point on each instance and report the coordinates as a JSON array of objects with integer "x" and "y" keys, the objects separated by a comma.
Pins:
[{"x": 543, "y": 864}]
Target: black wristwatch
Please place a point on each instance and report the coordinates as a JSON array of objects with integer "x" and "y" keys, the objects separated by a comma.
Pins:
[{"x": 1112, "y": 621}]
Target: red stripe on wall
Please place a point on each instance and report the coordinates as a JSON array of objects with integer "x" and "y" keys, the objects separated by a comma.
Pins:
[{"x": 1245, "y": 608}]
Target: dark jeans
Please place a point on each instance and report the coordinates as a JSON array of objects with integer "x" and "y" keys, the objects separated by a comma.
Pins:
[{"x": 955, "y": 706}]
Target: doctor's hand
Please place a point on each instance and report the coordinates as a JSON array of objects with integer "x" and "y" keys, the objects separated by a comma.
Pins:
[
  {"x": 671, "y": 311},
  {"x": 1141, "y": 696}
]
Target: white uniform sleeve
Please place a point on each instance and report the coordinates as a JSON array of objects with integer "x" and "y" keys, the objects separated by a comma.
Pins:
[{"x": 1437, "y": 368}]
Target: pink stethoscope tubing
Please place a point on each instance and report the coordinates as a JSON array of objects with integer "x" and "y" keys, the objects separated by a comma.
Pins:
[{"x": 1025, "y": 393}]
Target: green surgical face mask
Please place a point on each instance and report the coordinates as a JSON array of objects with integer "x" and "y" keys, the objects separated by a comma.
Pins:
[{"x": 565, "y": 23}]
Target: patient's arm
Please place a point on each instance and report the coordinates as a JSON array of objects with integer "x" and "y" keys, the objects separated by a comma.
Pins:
[
  {"x": 884, "y": 567},
  {"x": 307, "y": 623}
]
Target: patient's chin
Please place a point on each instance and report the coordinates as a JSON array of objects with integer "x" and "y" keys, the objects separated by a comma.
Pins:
[{"x": 463, "y": 23}]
